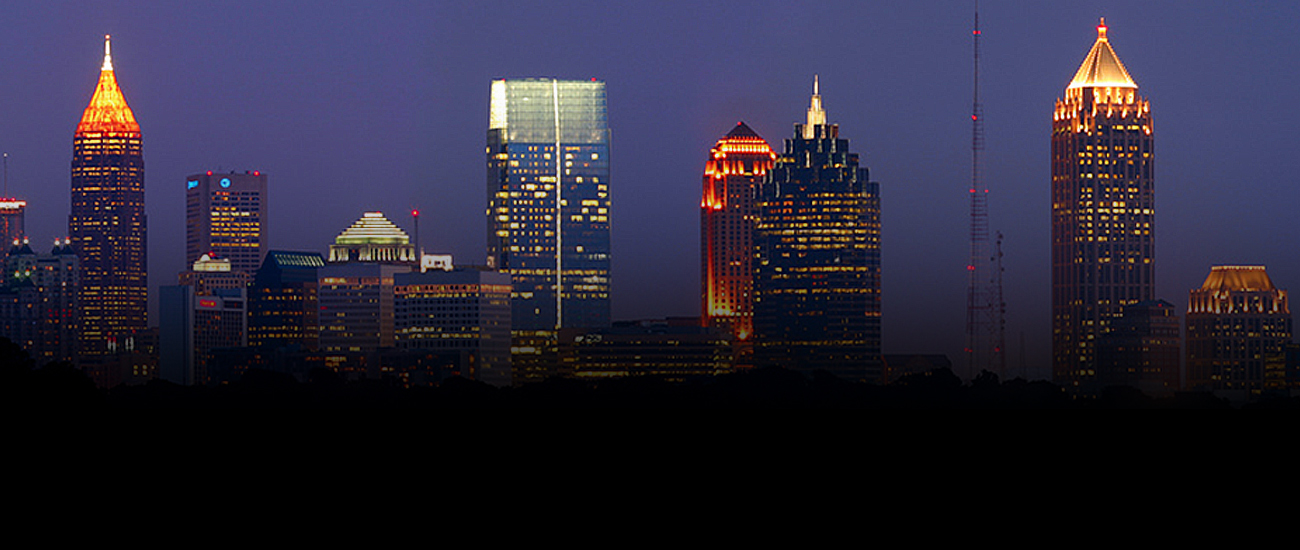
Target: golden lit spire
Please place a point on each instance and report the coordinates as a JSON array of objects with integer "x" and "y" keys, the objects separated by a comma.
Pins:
[
  {"x": 816, "y": 114},
  {"x": 1102, "y": 68},
  {"x": 108, "y": 111}
]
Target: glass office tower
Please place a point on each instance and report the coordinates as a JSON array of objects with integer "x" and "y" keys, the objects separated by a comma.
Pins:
[
  {"x": 548, "y": 200},
  {"x": 817, "y": 257}
]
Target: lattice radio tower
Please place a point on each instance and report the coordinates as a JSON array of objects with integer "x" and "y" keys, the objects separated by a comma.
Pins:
[{"x": 984, "y": 306}]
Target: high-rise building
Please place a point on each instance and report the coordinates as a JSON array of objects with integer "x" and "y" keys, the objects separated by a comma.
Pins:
[
  {"x": 1143, "y": 349},
  {"x": 355, "y": 290},
  {"x": 282, "y": 303},
  {"x": 12, "y": 229},
  {"x": 225, "y": 217},
  {"x": 737, "y": 165},
  {"x": 1236, "y": 322},
  {"x": 38, "y": 301},
  {"x": 817, "y": 244},
  {"x": 548, "y": 200},
  {"x": 107, "y": 220},
  {"x": 207, "y": 310},
  {"x": 1103, "y": 210},
  {"x": 463, "y": 314}
]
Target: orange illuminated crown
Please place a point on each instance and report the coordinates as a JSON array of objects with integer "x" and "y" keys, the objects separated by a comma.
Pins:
[{"x": 108, "y": 111}]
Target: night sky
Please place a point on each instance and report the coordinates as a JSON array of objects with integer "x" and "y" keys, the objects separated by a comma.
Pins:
[{"x": 351, "y": 106}]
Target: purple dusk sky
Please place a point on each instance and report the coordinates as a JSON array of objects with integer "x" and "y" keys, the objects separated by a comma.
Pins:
[{"x": 355, "y": 106}]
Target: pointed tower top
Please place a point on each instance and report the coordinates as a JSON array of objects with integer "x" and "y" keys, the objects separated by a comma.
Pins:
[
  {"x": 108, "y": 54},
  {"x": 742, "y": 130},
  {"x": 816, "y": 114},
  {"x": 108, "y": 111},
  {"x": 1102, "y": 68}
]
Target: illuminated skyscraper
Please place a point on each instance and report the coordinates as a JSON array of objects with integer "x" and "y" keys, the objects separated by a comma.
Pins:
[
  {"x": 548, "y": 200},
  {"x": 737, "y": 165},
  {"x": 1103, "y": 209},
  {"x": 225, "y": 217},
  {"x": 1236, "y": 322},
  {"x": 817, "y": 272},
  {"x": 11, "y": 222},
  {"x": 107, "y": 220}
]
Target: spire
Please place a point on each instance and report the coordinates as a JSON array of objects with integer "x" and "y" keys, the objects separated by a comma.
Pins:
[
  {"x": 108, "y": 54},
  {"x": 816, "y": 114},
  {"x": 1102, "y": 68},
  {"x": 108, "y": 111}
]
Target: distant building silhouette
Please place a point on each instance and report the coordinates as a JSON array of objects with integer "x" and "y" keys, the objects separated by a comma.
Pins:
[
  {"x": 38, "y": 301},
  {"x": 226, "y": 217},
  {"x": 1236, "y": 322},
  {"x": 1143, "y": 349},
  {"x": 1103, "y": 210},
  {"x": 736, "y": 167},
  {"x": 817, "y": 272}
]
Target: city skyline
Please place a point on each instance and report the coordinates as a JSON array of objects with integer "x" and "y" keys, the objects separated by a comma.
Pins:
[{"x": 909, "y": 112}]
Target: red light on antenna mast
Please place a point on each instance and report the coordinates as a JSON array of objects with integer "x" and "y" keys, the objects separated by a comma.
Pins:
[{"x": 415, "y": 213}]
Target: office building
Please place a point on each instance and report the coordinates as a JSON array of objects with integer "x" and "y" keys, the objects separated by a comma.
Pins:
[
  {"x": 38, "y": 301},
  {"x": 548, "y": 200},
  {"x": 1236, "y": 323},
  {"x": 225, "y": 217},
  {"x": 463, "y": 314},
  {"x": 354, "y": 289},
  {"x": 1103, "y": 210},
  {"x": 282, "y": 303},
  {"x": 107, "y": 219},
  {"x": 12, "y": 228},
  {"x": 817, "y": 243},
  {"x": 737, "y": 165},
  {"x": 207, "y": 310},
  {"x": 1142, "y": 350}
]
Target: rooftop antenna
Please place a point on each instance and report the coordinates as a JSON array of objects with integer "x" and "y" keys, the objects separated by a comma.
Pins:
[{"x": 6, "y": 174}]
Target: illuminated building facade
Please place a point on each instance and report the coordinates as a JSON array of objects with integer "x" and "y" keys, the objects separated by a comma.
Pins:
[
  {"x": 107, "y": 220},
  {"x": 1103, "y": 210},
  {"x": 373, "y": 239},
  {"x": 463, "y": 312},
  {"x": 817, "y": 243},
  {"x": 548, "y": 200},
  {"x": 1236, "y": 322},
  {"x": 282, "y": 303},
  {"x": 225, "y": 217},
  {"x": 12, "y": 229},
  {"x": 737, "y": 165},
  {"x": 207, "y": 310}
]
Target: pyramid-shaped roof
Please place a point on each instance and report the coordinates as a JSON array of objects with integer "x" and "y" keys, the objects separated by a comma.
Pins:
[
  {"x": 1238, "y": 278},
  {"x": 742, "y": 130},
  {"x": 373, "y": 228},
  {"x": 1102, "y": 68},
  {"x": 108, "y": 111}
]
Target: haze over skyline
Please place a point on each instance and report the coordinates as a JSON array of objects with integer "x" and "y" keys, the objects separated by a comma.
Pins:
[{"x": 384, "y": 106}]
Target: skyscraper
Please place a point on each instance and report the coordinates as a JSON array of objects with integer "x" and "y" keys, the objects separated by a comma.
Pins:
[
  {"x": 737, "y": 165},
  {"x": 548, "y": 200},
  {"x": 12, "y": 229},
  {"x": 225, "y": 217},
  {"x": 107, "y": 220},
  {"x": 1103, "y": 209},
  {"x": 1236, "y": 322},
  {"x": 817, "y": 244}
]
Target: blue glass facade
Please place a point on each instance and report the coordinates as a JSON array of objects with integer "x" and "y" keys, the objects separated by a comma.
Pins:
[{"x": 548, "y": 200}]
